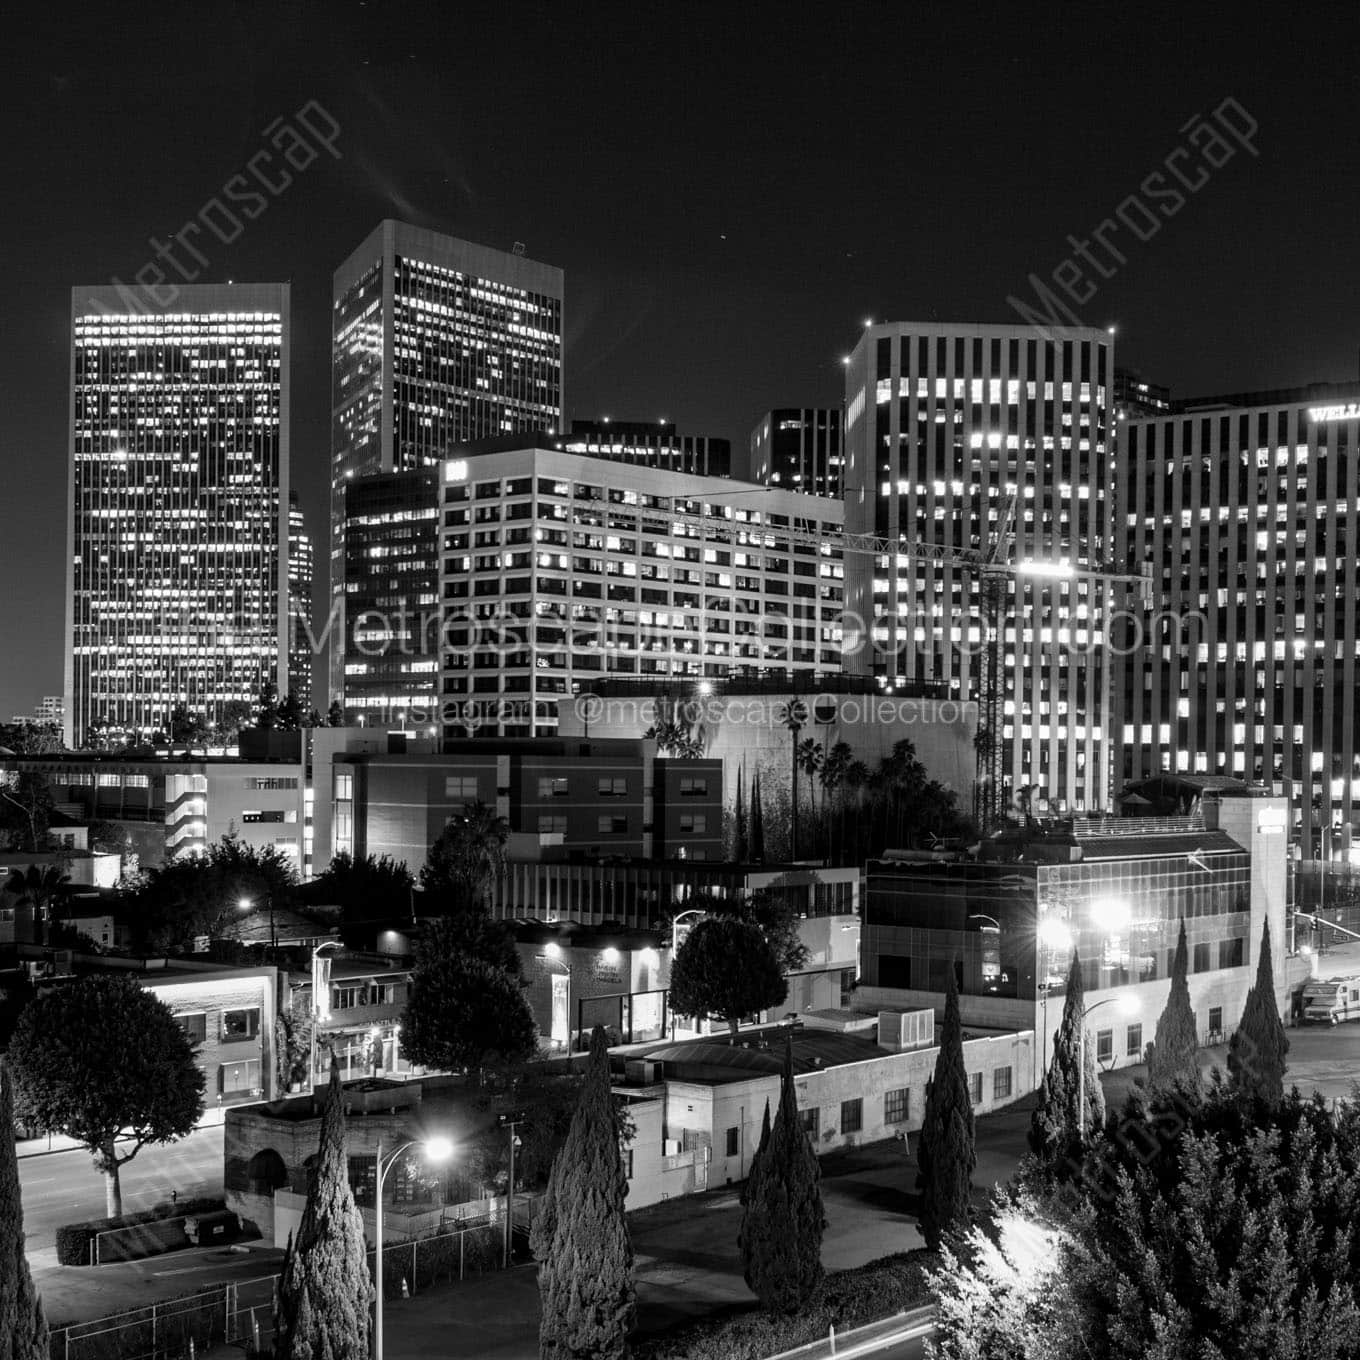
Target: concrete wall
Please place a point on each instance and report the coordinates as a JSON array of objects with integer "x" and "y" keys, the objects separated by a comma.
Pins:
[
  {"x": 655, "y": 1174},
  {"x": 227, "y": 1062},
  {"x": 729, "y": 1115}
]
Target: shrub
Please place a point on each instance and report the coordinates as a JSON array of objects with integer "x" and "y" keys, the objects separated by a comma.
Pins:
[
  {"x": 73, "y": 1239},
  {"x": 848, "y": 1298}
]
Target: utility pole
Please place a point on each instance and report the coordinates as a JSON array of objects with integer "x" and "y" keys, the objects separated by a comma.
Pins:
[{"x": 510, "y": 1123}]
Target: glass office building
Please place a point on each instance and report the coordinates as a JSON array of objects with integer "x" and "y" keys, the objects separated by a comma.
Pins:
[
  {"x": 178, "y": 525},
  {"x": 435, "y": 342},
  {"x": 301, "y": 566},
  {"x": 1247, "y": 509},
  {"x": 944, "y": 424},
  {"x": 799, "y": 449},
  {"x": 392, "y": 630}
]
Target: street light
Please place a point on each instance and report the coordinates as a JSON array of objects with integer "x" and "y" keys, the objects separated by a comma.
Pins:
[
  {"x": 437, "y": 1150},
  {"x": 317, "y": 1014},
  {"x": 1127, "y": 1004},
  {"x": 1056, "y": 938},
  {"x": 246, "y": 904}
]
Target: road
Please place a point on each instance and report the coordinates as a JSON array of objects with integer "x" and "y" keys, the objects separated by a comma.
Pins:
[{"x": 64, "y": 1187}]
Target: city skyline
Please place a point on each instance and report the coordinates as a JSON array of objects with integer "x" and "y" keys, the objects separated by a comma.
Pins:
[{"x": 742, "y": 303}]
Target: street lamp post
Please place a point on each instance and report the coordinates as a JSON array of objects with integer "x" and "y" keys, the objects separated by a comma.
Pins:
[
  {"x": 316, "y": 1002},
  {"x": 1126, "y": 1004},
  {"x": 246, "y": 904},
  {"x": 436, "y": 1150}
]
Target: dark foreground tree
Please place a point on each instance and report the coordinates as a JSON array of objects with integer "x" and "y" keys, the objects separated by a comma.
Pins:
[
  {"x": 100, "y": 1060},
  {"x": 325, "y": 1287},
  {"x": 467, "y": 859},
  {"x": 1057, "y": 1128},
  {"x": 945, "y": 1154},
  {"x": 1257, "y": 1053},
  {"x": 465, "y": 1013},
  {"x": 23, "y": 1328},
  {"x": 1173, "y": 1055},
  {"x": 726, "y": 968},
  {"x": 783, "y": 1219},
  {"x": 580, "y": 1237}
]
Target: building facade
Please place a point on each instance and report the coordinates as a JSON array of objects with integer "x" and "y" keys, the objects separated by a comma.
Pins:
[
  {"x": 560, "y": 568},
  {"x": 177, "y": 509},
  {"x": 435, "y": 341},
  {"x": 1248, "y": 510},
  {"x": 946, "y": 428},
  {"x": 649, "y": 445},
  {"x": 799, "y": 449},
  {"x": 1116, "y": 893},
  {"x": 301, "y": 572},
  {"x": 391, "y": 616}
]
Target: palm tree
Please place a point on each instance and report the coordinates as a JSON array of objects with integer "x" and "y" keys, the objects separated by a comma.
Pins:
[
  {"x": 835, "y": 764},
  {"x": 810, "y": 760},
  {"x": 794, "y": 716},
  {"x": 468, "y": 856},
  {"x": 38, "y": 888},
  {"x": 856, "y": 780}
]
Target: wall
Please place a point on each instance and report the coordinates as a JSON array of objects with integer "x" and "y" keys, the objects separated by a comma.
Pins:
[
  {"x": 701, "y": 1115},
  {"x": 210, "y": 995},
  {"x": 657, "y": 1175}
]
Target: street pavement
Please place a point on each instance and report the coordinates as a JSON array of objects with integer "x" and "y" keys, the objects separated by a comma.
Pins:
[
  {"x": 686, "y": 1253},
  {"x": 63, "y": 1187}
]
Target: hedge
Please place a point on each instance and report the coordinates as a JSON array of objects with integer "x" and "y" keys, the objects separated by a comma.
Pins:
[
  {"x": 847, "y": 1298},
  {"x": 73, "y": 1239}
]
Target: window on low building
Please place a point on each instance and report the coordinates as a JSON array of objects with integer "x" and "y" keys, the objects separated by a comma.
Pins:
[
  {"x": 552, "y": 788},
  {"x": 1104, "y": 1045},
  {"x": 691, "y": 822},
  {"x": 693, "y": 788},
  {"x": 552, "y": 825},
  {"x": 241, "y": 1024},
  {"x": 1201, "y": 963},
  {"x": 733, "y": 1142},
  {"x": 239, "y": 1078},
  {"x": 811, "y": 1120},
  {"x": 1001, "y": 1083},
  {"x": 852, "y": 1115},
  {"x": 460, "y": 786},
  {"x": 897, "y": 1105},
  {"x": 612, "y": 788},
  {"x": 612, "y": 826},
  {"x": 1215, "y": 1019},
  {"x": 194, "y": 1025},
  {"x": 1134, "y": 1044},
  {"x": 975, "y": 1087}
]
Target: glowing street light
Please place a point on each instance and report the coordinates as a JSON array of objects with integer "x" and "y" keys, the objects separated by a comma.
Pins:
[{"x": 437, "y": 1150}]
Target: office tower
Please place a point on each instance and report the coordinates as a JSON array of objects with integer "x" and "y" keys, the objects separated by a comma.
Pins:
[
  {"x": 177, "y": 531},
  {"x": 799, "y": 449},
  {"x": 1134, "y": 396},
  {"x": 392, "y": 622},
  {"x": 434, "y": 342},
  {"x": 559, "y": 568},
  {"x": 1248, "y": 509},
  {"x": 947, "y": 426},
  {"x": 301, "y": 569},
  {"x": 649, "y": 445}
]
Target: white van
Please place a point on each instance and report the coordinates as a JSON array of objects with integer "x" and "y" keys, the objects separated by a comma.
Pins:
[{"x": 1331, "y": 1001}]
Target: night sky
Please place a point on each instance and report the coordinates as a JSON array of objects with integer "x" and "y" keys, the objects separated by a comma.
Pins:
[{"x": 730, "y": 189}]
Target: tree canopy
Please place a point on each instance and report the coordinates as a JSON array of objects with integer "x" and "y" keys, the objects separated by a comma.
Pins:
[
  {"x": 1173, "y": 1054},
  {"x": 945, "y": 1154},
  {"x": 464, "y": 1012},
  {"x": 100, "y": 1059},
  {"x": 366, "y": 888},
  {"x": 23, "y": 1326},
  {"x": 726, "y": 969},
  {"x": 466, "y": 859},
  {"x": 1257, "y": 1052}
]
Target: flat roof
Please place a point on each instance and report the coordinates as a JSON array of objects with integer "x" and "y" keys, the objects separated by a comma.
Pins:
[{"x": 756, "y": 1053}]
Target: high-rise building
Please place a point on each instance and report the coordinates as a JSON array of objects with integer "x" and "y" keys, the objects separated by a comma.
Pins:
[
  {"x": 946, "y": 426},
  {"x": 649, "y": 445},
  {"x": 434, "y": 342},
  {"x": 392, "y": 622},
  {"x": 1247, "y": 508},
  {"x": 799, "y": 449},
  {"x": 559, "y": 568},
  {"x": 301, "y": 571},
  {"x": 177, "y": 528},
  {"x": 1134, "y": 396}
]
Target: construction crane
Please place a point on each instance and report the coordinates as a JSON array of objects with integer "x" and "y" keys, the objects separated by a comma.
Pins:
[{"x": 992, "y": 566}]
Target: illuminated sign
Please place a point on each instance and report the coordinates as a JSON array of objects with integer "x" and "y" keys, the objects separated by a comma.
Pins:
[
  {"x": 456, "y": 471},
  {"x": 1350, "y": 411},
  {"x": 1270, "y": 820}
]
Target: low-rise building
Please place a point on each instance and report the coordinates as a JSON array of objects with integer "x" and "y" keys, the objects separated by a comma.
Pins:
[{"x": 1115, "y": 890}]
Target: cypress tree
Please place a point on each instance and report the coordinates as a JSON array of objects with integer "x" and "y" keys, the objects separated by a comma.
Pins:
[
  {"x": 782, "y": 1226},
  {"x": 325, "y": 1288},
  {"x": 1173, "y": 1055},
  {"x": 1256, "y": 1055},
  {"x": 580, "y": 1237},
  {"x": 742, "y": 849},
  {"x": 1056, "y": 1126},
  {"x": 23, "y": 1328},
  {"x": 757, "y": 823},
  {"x": 945, "y": 1153}
]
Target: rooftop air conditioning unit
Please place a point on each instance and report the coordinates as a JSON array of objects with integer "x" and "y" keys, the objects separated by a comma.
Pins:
[{"x": 641, "y": 1072}]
